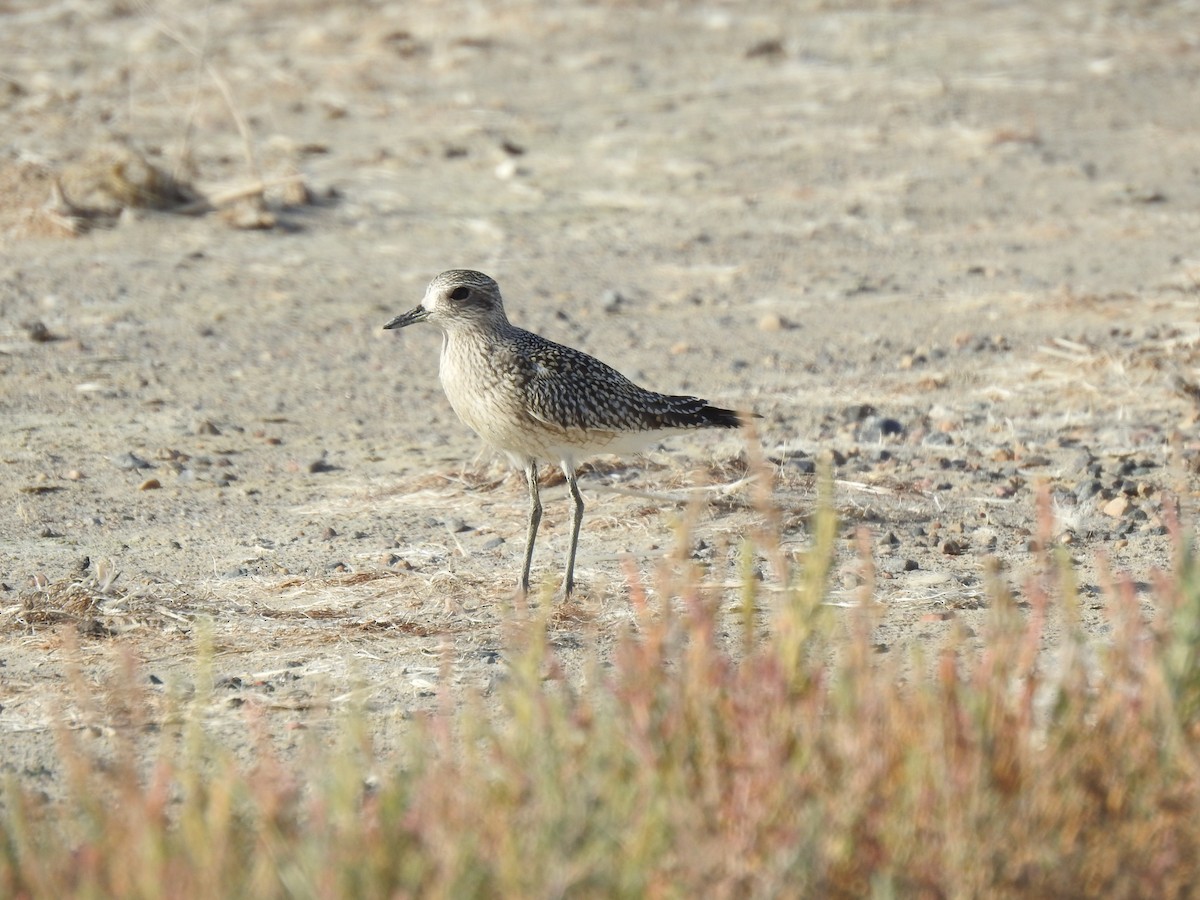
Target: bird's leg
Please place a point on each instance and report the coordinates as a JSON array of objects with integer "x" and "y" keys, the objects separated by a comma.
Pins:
[
  {"x": 535, "y": 517},
  {"x": 569, "y": 471}
]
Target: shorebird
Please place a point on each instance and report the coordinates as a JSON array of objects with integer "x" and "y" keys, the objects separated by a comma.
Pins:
[{"x": 536, "y": 400}]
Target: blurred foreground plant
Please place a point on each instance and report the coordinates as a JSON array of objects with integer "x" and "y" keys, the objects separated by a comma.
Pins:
[{"x": 689, "y": 763}]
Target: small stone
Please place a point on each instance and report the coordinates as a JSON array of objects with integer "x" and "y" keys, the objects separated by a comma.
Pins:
[
  {"x": 1078, "y": 461},
  {"x": 150, "y": 484},
  {"x": 39, "y": 333},
  {"x": 249, "y": 214},
  {"x": 328, "y": 534},
  {"x": 509, "y": 169},
  {"x": 771, "y": 322},
  {"x": 131, "y": 461},
  {"x": 984, "y": 537},
  {"x": 1116, "y": 507},
  {"x": 953, "y": 547},
  {"x": 74, "y": 475},
  {"x": 1087, "y": 489},
  {"x": 204, "y": 426},
  {"x": 612, "y": 301},
  {"x": 875, "y": 428},
  {"x": 836, "y": 457}
]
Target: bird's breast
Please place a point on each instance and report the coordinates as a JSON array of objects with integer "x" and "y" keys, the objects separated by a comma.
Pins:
[{"x": 485, "y": 389}]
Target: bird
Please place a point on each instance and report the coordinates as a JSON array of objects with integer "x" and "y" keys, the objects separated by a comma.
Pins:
[{"x": 539, "y": 401}]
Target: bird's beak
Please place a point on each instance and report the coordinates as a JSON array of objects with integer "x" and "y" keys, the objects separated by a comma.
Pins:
[{"x": 417, "y": 314}]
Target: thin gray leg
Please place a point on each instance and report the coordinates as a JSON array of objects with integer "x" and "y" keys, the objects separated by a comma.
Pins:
[
  {"x": 569, "y": 471},
  {"x": 535, "y": 518}
]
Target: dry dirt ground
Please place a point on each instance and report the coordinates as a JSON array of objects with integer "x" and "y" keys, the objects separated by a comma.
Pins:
[{"x": 950, "y": 246}]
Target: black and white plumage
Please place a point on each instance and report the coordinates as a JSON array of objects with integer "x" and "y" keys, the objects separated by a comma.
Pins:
[{"x": 538, "y": 400}]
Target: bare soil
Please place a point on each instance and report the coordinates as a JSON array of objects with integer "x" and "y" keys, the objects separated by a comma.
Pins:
[{"x": 949, "y": 246}]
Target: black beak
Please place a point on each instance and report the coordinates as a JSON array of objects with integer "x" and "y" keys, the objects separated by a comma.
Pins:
[{"x": 418, "y": 314}]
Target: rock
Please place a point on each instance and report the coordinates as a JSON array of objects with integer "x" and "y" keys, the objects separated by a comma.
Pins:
[
  {"x": 1078, "y": 461},
  {"x": 1087, "y": 489},
  {"x": 875, "y": 428},
  {"x": 770, "y": 322},
  {"x": 835, "y": 457},
  {"x": 1116, "y": 507},
  {"x": 320, "y": 465},
  {"x": 150, "y": 484},
  {"x": 39, "y": 333},
  {"x": 131, "y": 461},
  {"x": 858, "y": 412},
  {"x": 985, "y": 537},
  {"x": 612, "y": 301}
]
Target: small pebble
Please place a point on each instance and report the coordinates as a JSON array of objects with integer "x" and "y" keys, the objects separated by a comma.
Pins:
[
  {"x": 150, "y": 484},
  {"x": 612, "y": 301},
  {"x": 771, "y": 322},
  {"x": 131, "y": 461},
  {"x": 39, "y": 333},
  {"x": 1116, "y": 507},
  {"x": 875, "y": 428}
]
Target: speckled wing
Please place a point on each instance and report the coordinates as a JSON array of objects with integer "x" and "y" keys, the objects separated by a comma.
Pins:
[{"x": 568, "y": 389}]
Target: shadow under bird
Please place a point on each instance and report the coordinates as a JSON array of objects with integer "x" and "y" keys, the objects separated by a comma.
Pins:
[{"x": 536, "y": 400}]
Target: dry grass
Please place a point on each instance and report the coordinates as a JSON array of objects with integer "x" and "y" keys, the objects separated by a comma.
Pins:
[{"x": 758, "y": 749}]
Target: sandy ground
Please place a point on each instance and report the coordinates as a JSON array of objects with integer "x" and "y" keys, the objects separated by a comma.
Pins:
[{"x": 950, "y": 246}]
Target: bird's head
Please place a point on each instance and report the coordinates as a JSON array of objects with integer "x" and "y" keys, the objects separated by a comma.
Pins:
[{"x": 458, "y": 298}]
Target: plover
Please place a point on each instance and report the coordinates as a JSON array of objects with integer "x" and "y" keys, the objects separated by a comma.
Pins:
[{"x": 536, "y": 400}]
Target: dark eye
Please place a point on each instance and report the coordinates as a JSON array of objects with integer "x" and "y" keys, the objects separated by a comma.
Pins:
[{"x": 460, "y": 293}]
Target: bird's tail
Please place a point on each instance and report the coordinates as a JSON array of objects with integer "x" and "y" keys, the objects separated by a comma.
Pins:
[{"x": 716, "y": 417}]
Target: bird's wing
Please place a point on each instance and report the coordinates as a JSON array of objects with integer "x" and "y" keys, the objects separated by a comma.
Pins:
[{"x": 566, "y": 388}]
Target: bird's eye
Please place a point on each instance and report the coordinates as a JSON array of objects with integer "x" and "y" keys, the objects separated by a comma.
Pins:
[{"x": 460, "y": 293}]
